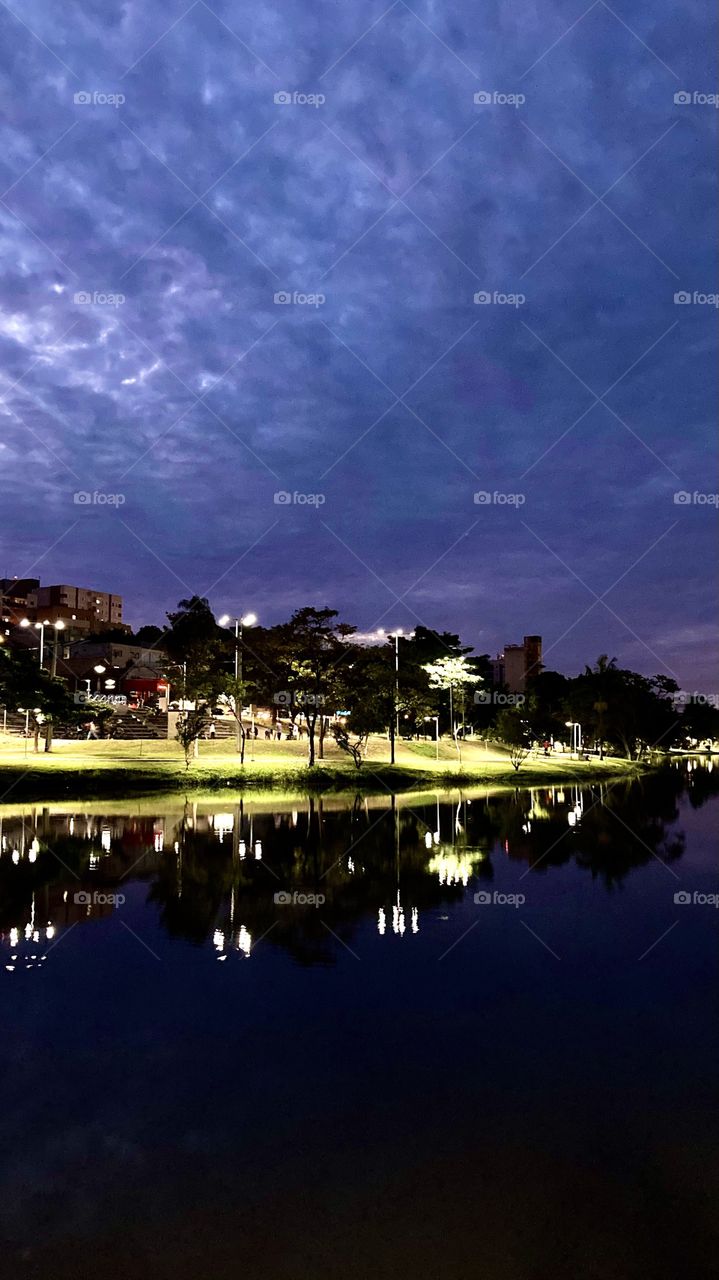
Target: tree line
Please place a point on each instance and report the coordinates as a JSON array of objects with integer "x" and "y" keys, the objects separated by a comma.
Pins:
[{"x": 312, "y": 667}]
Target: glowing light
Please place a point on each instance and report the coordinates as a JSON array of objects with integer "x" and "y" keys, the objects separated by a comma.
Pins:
[
  {"x": 381, "y": 921},
  {"x": 222, "y": 823},
  {"x": 452, "y": 868},
  {"x": 244, "y": 941}
]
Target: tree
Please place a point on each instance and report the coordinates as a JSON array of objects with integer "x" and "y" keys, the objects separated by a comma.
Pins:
[
  {"x": 149, "y": 636},
  {"x": 700, "y": 721},
  {"x": 631, "y": 712},
  {"x": 546, "y": 697},
  {"x": 24, "y": 685},
  {"x": 190, "y": 727},
  {"x": 302, "y": 662},
  {"x": 198, "y": 648},
  {"x": 354, "y": 748},
  {"x": 513, "y": 732},
  {"x": 452, "y": 672}
]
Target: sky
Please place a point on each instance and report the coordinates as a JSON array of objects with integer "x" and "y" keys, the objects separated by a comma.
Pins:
[{"x": 381, "y": 307}]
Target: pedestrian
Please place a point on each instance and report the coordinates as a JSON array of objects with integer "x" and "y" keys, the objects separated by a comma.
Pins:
[
  {"x": 211, "y": 730},
  {"x": 91, "y": 730}
]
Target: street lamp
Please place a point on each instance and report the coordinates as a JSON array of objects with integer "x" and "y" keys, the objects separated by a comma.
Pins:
[
  {"x": 247, "y": 620},
  {"x": 576, "y": 735},
  {"x": 395, "y": 635},
  {"x": 436, "y": 734},
  {"x": 59, "y": 625},
  {"x": 99, "y": 671}
]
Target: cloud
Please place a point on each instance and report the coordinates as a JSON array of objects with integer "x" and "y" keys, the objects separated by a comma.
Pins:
[{"x": 198, "y": 198}]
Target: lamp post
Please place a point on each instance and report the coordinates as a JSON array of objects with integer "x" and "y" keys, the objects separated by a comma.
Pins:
[
  {"x": 576, "y": 736},
  {"x": 59, "y": 626},
  {"x": 394, "y": 728},
  {"x": 99, "y": 671},
  {"x": 394, "y": 723},
  {"x": 436, "y": 734},
  {"x": 247, "y": 620}
]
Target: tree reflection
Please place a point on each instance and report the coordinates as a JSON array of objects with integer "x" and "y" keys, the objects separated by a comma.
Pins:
[{"x": 230, "y": 878}]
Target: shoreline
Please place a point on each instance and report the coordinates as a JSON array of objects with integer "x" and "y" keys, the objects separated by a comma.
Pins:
[{"x": 48, "y": 779}]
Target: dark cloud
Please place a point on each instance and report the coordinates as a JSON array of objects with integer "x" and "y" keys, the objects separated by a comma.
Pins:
[{"x": 396, "y": 396}]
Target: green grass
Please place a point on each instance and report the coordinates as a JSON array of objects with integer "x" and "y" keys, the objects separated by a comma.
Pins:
[{"x": 98, "y": 769}]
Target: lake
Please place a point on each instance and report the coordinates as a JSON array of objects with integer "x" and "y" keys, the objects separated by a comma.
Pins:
[{"x": 427, "y": 1035}]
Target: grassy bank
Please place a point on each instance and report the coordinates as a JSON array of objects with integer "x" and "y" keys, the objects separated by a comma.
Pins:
[{"x": 95, "y": 770}]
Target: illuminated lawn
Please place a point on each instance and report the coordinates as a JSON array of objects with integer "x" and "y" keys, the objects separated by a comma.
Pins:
[{"x": 97, "y": 767}]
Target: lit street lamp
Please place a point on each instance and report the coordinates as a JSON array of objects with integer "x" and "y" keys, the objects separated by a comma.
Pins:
[
  {"x": 576, "y": 728},
  {"x": 248, "y": 620},
  {"x": 58, "y": 625},
  {"x": 394, "y": 734},
  {"x": 436, "y": 734}
]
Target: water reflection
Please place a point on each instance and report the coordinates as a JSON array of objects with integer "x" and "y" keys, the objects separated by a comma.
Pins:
[{"x": 303, "y": 877}]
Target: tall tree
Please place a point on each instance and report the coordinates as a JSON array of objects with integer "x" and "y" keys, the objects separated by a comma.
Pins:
[
  {"x": 454, "y": 674},
  {"x": 26, "y": 686},
  {"x": 303, "y": 658}
]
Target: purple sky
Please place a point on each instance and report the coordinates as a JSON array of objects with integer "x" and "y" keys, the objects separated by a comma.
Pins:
[{"x": 397, "y": 398}]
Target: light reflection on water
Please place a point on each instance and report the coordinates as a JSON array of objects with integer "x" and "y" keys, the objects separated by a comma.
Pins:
[
  {"x": 451, "y": 1019},
  {"x": 219, "y": 875}
]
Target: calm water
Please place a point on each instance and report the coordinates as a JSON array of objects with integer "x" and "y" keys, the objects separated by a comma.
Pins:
[{"x": 480, "y": 1041}]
